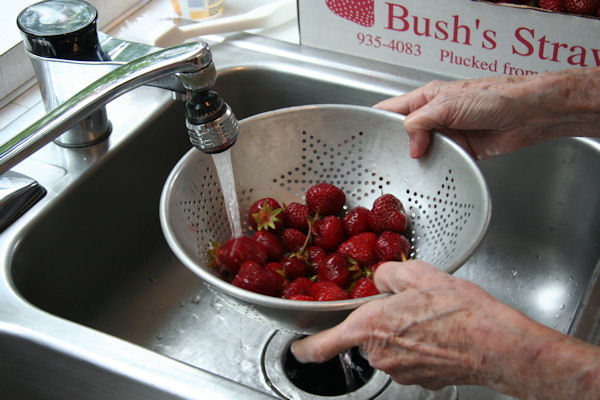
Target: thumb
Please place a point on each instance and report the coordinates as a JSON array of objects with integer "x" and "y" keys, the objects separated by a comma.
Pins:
[{"x": 324, "y": 345}]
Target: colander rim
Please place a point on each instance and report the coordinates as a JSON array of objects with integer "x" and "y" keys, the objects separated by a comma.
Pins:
[{"x": 279, "y": 303}]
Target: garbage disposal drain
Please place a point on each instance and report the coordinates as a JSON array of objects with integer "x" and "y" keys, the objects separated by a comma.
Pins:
[{"x": 292, "y": 380}]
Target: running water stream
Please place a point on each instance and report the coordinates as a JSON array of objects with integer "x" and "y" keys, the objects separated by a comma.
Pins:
[
  {"x": 224, "y": 168},
  {"x": 346, "y": 362}
]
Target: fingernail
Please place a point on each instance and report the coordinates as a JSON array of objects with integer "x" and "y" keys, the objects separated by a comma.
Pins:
[
  {"x": 412, "y": 149},
  {"x": 298, "y": 355}
]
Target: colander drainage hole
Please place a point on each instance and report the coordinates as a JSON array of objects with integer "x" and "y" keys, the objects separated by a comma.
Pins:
[{"x": 328, "y": 378}]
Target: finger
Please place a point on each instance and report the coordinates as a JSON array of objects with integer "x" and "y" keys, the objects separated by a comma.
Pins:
[
  {"x": 398, "y": 276},
  {"x": 404, "y": 104},
  {"x": 324, "y": 345}
]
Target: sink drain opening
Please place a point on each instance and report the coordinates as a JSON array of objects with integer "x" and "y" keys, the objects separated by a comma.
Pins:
[
  {"x": 293, "y": 380},
  {"x": 328, "y": 378}
]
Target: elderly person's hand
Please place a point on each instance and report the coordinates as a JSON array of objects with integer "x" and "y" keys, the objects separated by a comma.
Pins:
[
  {"x": 437, "y": 330},
  {"x": 494, "y": 116}
]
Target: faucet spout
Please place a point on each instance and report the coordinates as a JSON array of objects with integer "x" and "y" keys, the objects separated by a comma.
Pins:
[{"x": 192, "y": 62}]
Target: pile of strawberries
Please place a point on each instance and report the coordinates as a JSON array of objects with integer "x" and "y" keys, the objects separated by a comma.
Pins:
[
  {"x": 579, "y": 7},
  {"x": 315, "y": 251}
]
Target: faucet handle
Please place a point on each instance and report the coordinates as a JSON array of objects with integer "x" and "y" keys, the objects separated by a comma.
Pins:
[{"x": 63, "y": 29}]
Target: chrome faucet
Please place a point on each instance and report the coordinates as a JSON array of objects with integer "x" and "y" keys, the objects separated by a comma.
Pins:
[{"x": 187, "y": 70}]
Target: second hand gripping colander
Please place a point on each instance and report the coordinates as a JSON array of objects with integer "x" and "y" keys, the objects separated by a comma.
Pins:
[{"x": 364, "y": 151}]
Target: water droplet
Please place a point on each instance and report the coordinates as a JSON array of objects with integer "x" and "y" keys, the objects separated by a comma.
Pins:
[
  {"x": 562, "y": 307},
  {"x": 159, "y": 337},
  {"x": 514, "y": 272},
  {"x": 196, "y": 299}
]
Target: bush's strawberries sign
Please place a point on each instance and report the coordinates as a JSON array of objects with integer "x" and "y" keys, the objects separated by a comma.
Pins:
[{"x": 461, "y": 38}]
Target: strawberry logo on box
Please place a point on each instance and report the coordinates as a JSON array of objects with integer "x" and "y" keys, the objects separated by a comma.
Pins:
[{"x": 358, "y": 11}]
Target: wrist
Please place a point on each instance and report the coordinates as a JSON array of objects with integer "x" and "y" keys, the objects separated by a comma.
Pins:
[{"x": 528, "y": 360}]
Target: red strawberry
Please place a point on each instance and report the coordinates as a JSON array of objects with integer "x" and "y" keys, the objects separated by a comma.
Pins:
[
  {"x": 264, "y": 214},
  {"x": 296, "y": 215},
  {"x": 376, "y": 265},
  {"x": 583, "y": 7},
  {"x": 392, "y": 246},
  {"x": 301, "y": 297},
  {"x": 314, "y": 255},
  {"x": 293, "y": 266},
  {"x": 552, "y": 5},
  {"x": 277, "y": 269},
  {"x": 364, "y": 287},
  {"x": 387, "y": 214},
  {"x": 335, "y": 268},
  {"x": 271, "y": 244},
  {"x": 299, "y": 286},
  {"x": 388, "y": 221},
  {"x": 387, "y": 202},
  {"x": 325, "y": 198},
  {"x": 361, "y": 248},
  {"x": 328, "y": 291},
  {"x": 292, "y": 239},
  {"x": 357, "y": 221},
  {"x": 273, "y": 282},
  {"x": 361, "y": 12},
  {"x": 328, "y": 232},
  {"x": 235, "y": 251},
  {"x": 250, "y": 277},
  {"x": 255, "y": 278}
]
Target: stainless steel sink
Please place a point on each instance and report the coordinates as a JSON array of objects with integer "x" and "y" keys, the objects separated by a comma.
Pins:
[{"x": 94, "y": 304}]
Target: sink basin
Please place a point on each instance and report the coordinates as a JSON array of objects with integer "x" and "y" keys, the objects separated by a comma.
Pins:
[{"x": 91, "y": 292}]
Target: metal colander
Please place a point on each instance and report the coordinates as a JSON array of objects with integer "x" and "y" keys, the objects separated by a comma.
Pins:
[{"x": 363, "y": 151}]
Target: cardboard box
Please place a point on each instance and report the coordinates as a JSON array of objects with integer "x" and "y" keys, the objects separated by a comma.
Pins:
[{"x": 459, "y": 38}]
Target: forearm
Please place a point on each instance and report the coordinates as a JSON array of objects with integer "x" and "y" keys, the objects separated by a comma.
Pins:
[{"x": 530, "y": 361}]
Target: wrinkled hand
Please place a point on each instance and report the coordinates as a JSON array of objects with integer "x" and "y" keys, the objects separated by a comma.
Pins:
[
  {"x": 423, "y": 334},
  {"x": 497, "y": 115},
  {"x": 436, "y": 330}
]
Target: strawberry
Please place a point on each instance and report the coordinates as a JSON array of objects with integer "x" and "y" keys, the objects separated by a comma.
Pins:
[
  {"x": 299, "y": 286},
  {"x": 264, "y": 214},
  {"x": 387, "y": 214},
  {"x": 277, "y": 268},
  {"x": 258, "y": 279},
  {"x": 292, "y": 239},
  {"x": 356, "y": 221},
  {"x": 273, "y": 282},
  {"x": 250, "y": 277},
  {"x": 328, "y": 291},
  {"x": 552, "y": 5},
  {"x": 314, "y": 254},
  {"x": 374, "y": 267},
  {"x": 364, "y": 287},
  {"x": 235, "y": 251},
  {"x": 361, "y": 248},
  {"x": 387, "y": 202},
  {"x": 583, "y": 7},
  {"x": 293, "y": 266},
  {"x": 325, "y": 198},
  {"x": 361, "y": 12},
  {"x": 328, "y": 232},
  {"x": 296, "y": 215},
  {"x": 271, "y": 244},
  {"x": 389, "y": 220},
  {"x": 392, "y": 246},
  {"x": 335, "y": 268}
]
